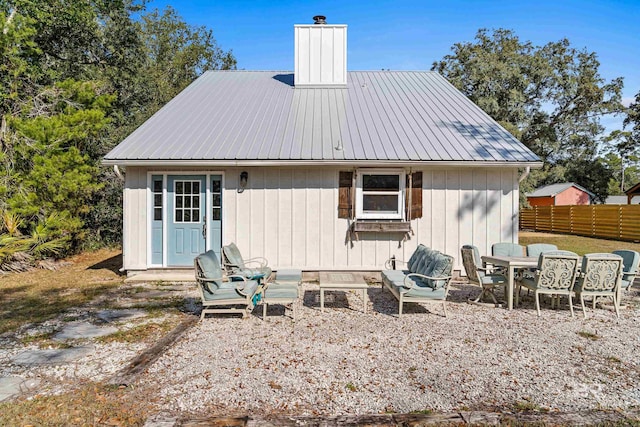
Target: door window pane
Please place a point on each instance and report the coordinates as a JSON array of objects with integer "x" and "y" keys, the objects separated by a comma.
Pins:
[
  {"x": 187, "y": 204},
  {"x": 215, "y": 187},
  {"x": 157, "y": 214},
  {"x": 157, "y": 186},
  {"x": 216, "y": 214},
  {"x": 179, "y": 187}
]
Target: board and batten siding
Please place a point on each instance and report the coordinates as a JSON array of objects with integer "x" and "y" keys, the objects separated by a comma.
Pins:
[{"x": 289, "y": 216}]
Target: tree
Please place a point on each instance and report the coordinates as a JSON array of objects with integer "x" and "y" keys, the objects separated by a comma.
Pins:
[
  {"x": 594, "y": 175},
  {"x": 550, "y": 97},
  {"x": 75, "y": 79},
  {"x": 631, "y": 143}
]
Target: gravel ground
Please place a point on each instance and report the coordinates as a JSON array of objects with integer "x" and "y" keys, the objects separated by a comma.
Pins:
[{"x": 344, "y": 361}]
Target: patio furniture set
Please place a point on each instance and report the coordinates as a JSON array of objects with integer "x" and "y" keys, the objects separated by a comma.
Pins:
[
  {"x": 237, "y": 285},
  {"x": 545, "y": 270}
]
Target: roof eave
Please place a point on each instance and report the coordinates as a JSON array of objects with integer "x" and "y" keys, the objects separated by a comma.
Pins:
[{"x": 357, "y": 163}]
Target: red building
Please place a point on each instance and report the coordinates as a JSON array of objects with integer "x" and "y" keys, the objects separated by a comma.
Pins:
[{"x": 565, "y": 193}]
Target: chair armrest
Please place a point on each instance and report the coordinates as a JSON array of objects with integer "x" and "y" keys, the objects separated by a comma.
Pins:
[
  {"x": 260, "y": 260},
  {"x": 205, "y": 282},
  {"x": 229, "y": 266},
  {"x": 388, "y": 265},
  {"x": 204, "y": 279},
  {"x": 240, "y": 284},
  {"x": 411, "y": 285}
]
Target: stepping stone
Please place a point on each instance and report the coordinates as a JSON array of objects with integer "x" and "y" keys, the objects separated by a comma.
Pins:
[
  {"x": 13, "y": 386},
  {"x": 51, "y": 357},
  {"x": 84, "y": 330},
  {"x": 115, "y": 315},
  {"x": 155, "y": 294}
]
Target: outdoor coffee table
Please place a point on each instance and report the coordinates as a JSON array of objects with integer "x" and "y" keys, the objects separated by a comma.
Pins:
[{"x": 338, "y": 281}]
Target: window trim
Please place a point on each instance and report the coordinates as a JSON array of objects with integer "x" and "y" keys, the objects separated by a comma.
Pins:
[{"x": 360, "y": 214}]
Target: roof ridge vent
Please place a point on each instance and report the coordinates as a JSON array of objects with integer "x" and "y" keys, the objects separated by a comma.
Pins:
[{"x": 320, "y": 20}]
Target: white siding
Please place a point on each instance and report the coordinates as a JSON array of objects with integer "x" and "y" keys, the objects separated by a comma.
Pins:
[
  {"x": 134, "y": 226},
  {"x": 290, "y": 217},
  {"x": 297, "y": 210}
]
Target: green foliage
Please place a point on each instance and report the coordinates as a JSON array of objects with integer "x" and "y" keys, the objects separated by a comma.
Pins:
[
  {"x": 551, "y": 97},
  {"x": 75, "y": 79},
  {"x": 622, "y": 156},
  {"x": 592, "y": 174}
]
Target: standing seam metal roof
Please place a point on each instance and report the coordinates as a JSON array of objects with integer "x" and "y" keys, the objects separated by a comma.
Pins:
[{"x": 381, "y": 115}]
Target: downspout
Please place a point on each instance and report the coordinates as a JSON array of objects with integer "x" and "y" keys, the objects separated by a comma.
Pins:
[
  {"x": 526, "y": 173},
  {"x": 116, "y": 169}
]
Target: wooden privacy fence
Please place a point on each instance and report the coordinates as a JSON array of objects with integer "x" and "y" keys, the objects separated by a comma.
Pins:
[{"x": 620, "y": 222}]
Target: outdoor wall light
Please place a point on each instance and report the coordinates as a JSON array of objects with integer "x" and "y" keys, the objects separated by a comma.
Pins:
[{"x": 244, "y": 177}]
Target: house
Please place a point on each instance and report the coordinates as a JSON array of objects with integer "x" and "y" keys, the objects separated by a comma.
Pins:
[
  {"x": 319, "y": 168},
  {"x": 622, "y": 200},
  {"x": 633, "y": 194},
  {"x": 561, "y": 194}
]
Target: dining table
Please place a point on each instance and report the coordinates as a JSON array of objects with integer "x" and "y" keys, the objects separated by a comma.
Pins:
[{"x": 511, "y": 264}]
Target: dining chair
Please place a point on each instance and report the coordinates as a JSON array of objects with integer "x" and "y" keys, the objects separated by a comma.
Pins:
[
  {"x": 630, "y": 262},
  {"x": 555, "y": 275},
  {"x": 600, "y": 276},
  {"x": 479, "y": 274},
  {"x": 535, "y": 249},
  {"x": 507, "y": 249}
]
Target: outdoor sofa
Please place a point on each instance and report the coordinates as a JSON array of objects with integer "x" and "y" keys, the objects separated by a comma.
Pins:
[{"x": 425, "y": 278}]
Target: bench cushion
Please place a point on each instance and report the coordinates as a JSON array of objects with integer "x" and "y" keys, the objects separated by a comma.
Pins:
[
  {"x": 290, "y": 275},
  {"x": 392, "y": 275},
  {"x": 284, "y": 291}
]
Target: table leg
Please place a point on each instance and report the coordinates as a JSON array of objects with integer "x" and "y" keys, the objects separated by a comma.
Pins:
[
  {"x": 364, "y": 301},
  {"x": 510, "y": 274},
  {"x": 321, "y": 299}
]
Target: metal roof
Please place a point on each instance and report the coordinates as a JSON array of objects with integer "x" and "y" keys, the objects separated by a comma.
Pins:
[
  {"x": 554, "y": 189},
  {"x": 621, "y": 200},
  {"x": 382, "y": 116}
]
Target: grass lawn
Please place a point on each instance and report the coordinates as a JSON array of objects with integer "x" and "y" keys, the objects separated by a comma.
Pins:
[
  {"x": 578, "y": 244},
  {"x": 31, "y": 298},
  {"x": 40, "y": 295}
]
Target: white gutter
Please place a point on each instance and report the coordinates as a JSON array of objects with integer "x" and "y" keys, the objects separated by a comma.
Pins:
[
  {"x": 351, "y": 163},
  {"x": 526, "y": 173}
]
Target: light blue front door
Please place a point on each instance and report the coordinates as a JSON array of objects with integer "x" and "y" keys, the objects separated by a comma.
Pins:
[{"x": 186, "y": 231}]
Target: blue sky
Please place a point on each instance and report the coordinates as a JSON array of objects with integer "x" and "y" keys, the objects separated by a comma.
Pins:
[{"x": 411, "y": 35}]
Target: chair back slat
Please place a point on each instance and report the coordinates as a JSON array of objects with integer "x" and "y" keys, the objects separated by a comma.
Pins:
[
  {"x": 600, "y": 272},
  {"x": 557, "y": 270}
]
